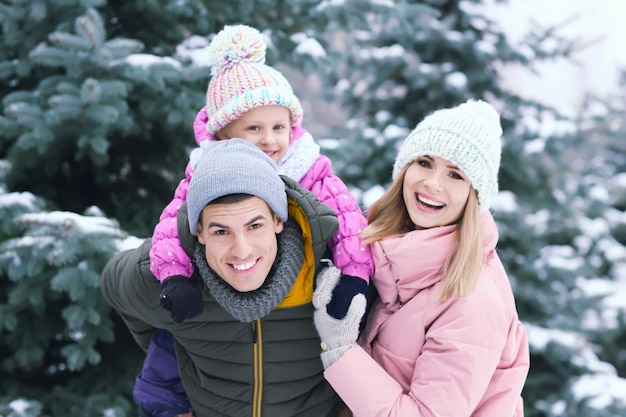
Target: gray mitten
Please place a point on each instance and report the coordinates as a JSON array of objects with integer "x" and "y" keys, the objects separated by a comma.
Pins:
[{"x": 338, "y": 335}]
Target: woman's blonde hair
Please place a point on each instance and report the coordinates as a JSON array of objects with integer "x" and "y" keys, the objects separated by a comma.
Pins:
[{"x": 388, "y": 216}]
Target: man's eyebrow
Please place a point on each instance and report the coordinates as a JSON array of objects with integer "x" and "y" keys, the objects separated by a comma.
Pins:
[{"x": 251, "y": 221}]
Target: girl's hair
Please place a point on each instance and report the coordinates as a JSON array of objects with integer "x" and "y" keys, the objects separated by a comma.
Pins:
[{"x": 388, "y": 216}]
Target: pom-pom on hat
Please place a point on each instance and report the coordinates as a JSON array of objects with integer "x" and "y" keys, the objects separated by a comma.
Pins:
[
  {"x": 469, "y": 136},
  {"x": 234, "y": 166},
  {"x": 241, "y": 81}
]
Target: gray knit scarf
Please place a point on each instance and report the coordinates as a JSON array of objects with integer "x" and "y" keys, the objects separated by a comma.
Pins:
[{"x": 249, "y": 306}]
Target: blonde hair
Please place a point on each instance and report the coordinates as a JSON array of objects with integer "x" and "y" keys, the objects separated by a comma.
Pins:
[{"x": 388, "y": 216}]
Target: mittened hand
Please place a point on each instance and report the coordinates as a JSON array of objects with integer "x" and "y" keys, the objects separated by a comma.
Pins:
[
  {"x": 347, "y": 287},
  {"x": 181, "y": 298},
  {"x": 337, "y": 335}
]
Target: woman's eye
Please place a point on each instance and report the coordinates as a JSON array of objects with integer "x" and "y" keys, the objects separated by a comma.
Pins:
[{"x": 456, "y": 176}]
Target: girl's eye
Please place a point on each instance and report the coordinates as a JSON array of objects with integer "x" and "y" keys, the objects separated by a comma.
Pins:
[
  {"x": 253, "y": 128},
  {"x": 279, "y": 127}
]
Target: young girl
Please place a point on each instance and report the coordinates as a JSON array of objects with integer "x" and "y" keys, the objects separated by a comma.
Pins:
[
  {"x": 250, "y": 100},
  {"x": 443, "y": 338},
  {"x": 253, "y": 101}
]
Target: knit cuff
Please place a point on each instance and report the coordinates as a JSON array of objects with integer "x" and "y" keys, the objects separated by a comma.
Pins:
[{"x": 332, "y": 355}]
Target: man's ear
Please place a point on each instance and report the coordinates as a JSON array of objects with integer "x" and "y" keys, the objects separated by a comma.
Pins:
[
  {"x": 279, "y": 225},
  {"x": 199, "y": 233}
]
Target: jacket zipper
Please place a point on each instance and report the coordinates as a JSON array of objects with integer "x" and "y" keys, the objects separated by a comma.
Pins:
[{"x": 257, "y": 343}]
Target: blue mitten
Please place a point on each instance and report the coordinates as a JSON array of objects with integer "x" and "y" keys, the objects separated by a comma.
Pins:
[
  {"x": 337, "y": 336},
  {"x": 181, "y": 298},
  {"x": 343, "y": 293}
]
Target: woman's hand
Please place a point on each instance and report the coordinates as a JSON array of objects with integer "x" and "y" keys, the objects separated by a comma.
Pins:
[{"x": 337, "y": 335}]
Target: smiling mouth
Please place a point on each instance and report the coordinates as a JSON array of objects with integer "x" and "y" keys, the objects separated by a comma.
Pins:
[
  {"x": 245, "y": 266},
  {"x": 431, "y": 204}
]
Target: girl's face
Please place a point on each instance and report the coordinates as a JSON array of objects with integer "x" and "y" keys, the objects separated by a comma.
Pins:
[
  {"x": 435, "y": 192},
  {"x": 268, "y": 127}
]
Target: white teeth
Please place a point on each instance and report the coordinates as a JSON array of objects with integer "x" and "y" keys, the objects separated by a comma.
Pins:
[
  {"x": 429, "y": 202},
  {"x": 244, "y": 267}
]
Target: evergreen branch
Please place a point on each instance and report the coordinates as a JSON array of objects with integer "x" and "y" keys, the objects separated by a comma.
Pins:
[
  {"x": 7, "y": 69},
  {"x": 50, "y": 56},
  {"x": 23, "y": 110},
  {"x": 114, "y": 89},
  {"x": 66, "y": 103},
  {"x": 70, "y": 41},
  {"x": 122, "y": 47},
  {"x": 90, "y": 91},
  {"x": 18, "y": 97},
  {"x": 65, "y": 87},
  {"x": 91, "y": 28}
]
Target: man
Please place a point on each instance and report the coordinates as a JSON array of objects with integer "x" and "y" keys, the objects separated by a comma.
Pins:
[{"x": 257, "y": 240}]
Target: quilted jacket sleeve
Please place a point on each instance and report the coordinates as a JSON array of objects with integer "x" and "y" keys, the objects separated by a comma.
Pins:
[
  {"x": 474, "y": 361},
  {"x": 124, "y": 287},
  {"x": 167, "y": 257},
  {"x": 349, "y": 253}
]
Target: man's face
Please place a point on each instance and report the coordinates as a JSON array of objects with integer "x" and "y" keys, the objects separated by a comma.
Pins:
[{"x": 240, "y": 241}]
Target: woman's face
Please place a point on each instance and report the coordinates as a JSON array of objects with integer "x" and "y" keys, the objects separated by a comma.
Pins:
[{"x": 435, "y": 192}]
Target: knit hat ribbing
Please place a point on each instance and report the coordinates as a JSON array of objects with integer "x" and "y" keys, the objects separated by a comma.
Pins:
[
  {"x": 241, "y": 81},
  {"x": 234, "y": 166},
  {"x": 469, "y": 136}
]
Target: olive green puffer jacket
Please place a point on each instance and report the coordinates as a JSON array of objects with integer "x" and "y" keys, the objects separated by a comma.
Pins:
[{"x": 270, "y": 367}]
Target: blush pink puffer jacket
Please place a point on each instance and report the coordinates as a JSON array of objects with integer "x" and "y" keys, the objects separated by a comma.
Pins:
[{"x": 420, "y": 356}]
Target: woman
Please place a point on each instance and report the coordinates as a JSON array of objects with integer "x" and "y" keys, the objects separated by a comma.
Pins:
[{"x": 443, "y": 338}]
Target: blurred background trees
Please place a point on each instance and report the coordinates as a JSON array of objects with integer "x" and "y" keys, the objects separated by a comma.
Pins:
[{"x": 97, "y": 103}]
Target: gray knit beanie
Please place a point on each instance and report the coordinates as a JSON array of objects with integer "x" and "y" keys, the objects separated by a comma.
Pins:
[
  {"x": 234, "y": 166},
  {"x": 469, "y": 136}
]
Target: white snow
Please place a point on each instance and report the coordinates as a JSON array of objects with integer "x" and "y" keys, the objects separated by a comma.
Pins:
[
  {"x": 308, "y": 46},
  {"x": 598, "y": 28},
  {"x": 146, "y": 60}
]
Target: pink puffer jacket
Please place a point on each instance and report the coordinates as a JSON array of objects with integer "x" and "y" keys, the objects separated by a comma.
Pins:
[
  {"x": 167, "y": 257},
  {"x": 422, "y": 357}
]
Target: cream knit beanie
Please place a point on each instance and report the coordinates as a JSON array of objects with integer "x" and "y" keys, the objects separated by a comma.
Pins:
[{"x": 469, "y": 136}]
